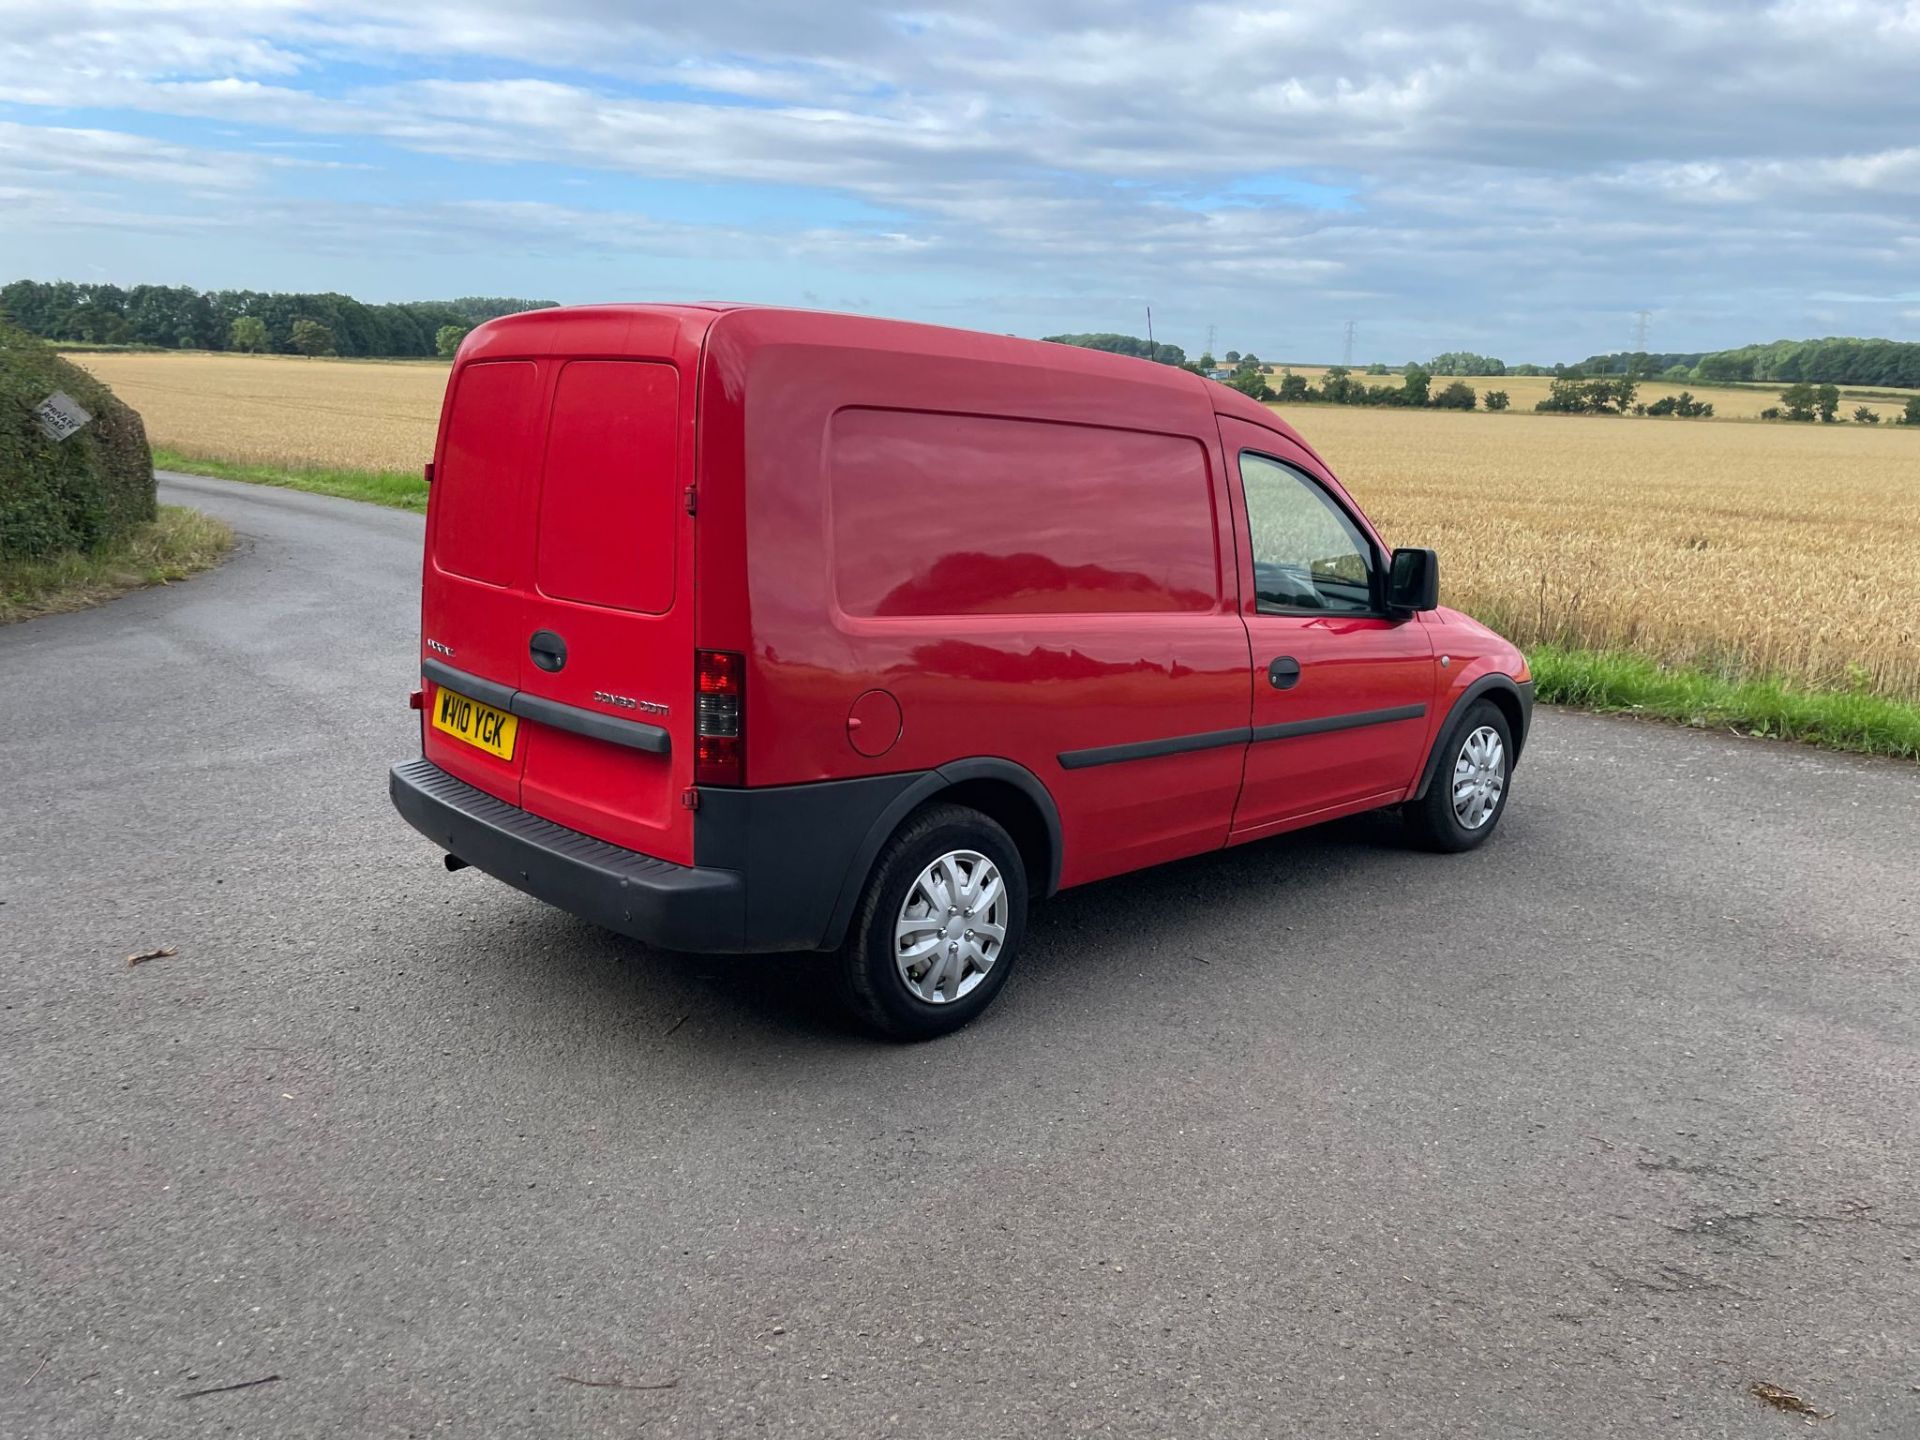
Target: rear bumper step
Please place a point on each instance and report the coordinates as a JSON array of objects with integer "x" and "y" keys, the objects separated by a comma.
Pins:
[{"x": 677, "y": 907}]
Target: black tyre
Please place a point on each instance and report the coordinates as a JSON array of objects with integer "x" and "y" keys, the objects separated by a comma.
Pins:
[
  {"x": 1470, "y": 785},
  {"x": 938, "y": 927}
]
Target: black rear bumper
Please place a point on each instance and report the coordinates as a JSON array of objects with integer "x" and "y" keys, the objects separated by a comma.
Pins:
[
  {"x": 677, "y": 907},
  {"x": 776, "y": 868}
]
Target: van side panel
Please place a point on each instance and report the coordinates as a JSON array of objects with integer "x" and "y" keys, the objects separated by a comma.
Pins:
[
  {"x": 1029, "y": 560},
  {"x": 937, "y": 514}
]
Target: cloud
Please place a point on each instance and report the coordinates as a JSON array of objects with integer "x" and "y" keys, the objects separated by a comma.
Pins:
[
  {"x": 50, "y": 152},
  {"x": 1509, "y": 177}
]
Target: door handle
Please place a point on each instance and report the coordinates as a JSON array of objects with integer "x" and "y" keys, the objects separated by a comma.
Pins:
[
  {"x": 548, "y": 650},
  {"x": 1284, "y": 673}
]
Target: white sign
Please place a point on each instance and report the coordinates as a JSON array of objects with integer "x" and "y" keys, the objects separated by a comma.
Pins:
[{"x": 60, "y": 415}]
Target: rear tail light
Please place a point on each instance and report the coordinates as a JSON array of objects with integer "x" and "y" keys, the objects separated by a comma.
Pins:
[{"x": 719, "y": 717}]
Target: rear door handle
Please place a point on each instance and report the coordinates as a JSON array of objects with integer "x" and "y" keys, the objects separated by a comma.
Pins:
[
  {"x": 1284, "y": 673},
  {"x": 548, "y": 650}
]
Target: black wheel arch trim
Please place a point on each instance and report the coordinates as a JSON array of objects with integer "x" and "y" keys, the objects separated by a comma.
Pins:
[
  {"x": 929, "y": 786},
  {"x": 1522, "y": 693}
]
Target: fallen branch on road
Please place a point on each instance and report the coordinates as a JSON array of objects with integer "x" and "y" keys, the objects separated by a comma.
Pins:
[
  {"x": 1781, "y": 1399},
  {"x": 222, "y": 1389}
]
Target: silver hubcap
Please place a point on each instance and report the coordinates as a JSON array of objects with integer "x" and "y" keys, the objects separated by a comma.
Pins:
[
  {"x": 1479, "y": 775},
  {"x": 952, "y": 927}
]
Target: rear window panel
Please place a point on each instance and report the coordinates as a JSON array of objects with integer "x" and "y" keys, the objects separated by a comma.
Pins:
[
  {"x": 491, "y": 454},
  {"x": 971, "y": 515},
  {"x": 610, "y": 495}
]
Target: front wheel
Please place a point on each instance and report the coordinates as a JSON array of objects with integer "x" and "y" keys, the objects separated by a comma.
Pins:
[
  {"x": 938, "y": 927},
  {"x": 1470, "y": 787}
]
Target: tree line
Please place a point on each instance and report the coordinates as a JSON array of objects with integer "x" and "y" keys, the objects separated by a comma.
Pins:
[
  {"x": 1805, "y": 402},
  {"x": 1124, "y": 345},
  {"x": 178, "y": 317},
  {"x": 1839, "y": 360},
  {"x": 1668, "y": 365},
  {"x": 1574, "y": 395},
  {"x": 1836, "y": 360},
  {"x": 1340, "y": 386}
]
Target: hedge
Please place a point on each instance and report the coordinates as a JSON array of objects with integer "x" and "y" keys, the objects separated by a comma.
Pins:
[{"x": 73, "y": 494}]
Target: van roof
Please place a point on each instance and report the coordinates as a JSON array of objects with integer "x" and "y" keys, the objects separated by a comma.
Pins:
[{"x": 557, "y": 329}]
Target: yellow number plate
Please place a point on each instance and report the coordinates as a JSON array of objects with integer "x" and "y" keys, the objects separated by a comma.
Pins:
[{"x": 479, "y": 725}]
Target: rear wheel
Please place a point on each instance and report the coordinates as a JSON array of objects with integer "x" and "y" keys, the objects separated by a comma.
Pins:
[
  {"x": 939, "y": 925},
  {"x": 1469, "y": 788}
]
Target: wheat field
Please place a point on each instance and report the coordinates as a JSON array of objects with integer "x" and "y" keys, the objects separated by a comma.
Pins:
[
  {"x": 282, "y": 409},
  {"x": 1743, "y": 548}
]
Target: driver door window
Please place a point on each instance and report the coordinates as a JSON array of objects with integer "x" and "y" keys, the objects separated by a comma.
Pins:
[{"x": 1308, "y": 555}]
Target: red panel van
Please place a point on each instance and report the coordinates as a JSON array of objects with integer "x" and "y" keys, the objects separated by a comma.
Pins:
[{"x": 750, "y": 629}]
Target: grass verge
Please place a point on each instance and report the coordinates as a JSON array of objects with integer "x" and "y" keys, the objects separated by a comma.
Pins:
[
  {"x": 170, "y": 547},
  {"x": 1628, "y": 684},
  {"x": 400, "y": 489}
]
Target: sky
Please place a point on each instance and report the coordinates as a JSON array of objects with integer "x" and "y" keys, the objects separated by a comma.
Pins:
[{"x": 1518, "y": 179}]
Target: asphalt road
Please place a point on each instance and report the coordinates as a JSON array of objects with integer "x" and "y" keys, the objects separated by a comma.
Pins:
[{"x": 1580, "y": 1134}]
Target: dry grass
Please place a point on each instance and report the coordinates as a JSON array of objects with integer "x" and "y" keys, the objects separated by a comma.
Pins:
[
  {"x": 1742, "y": 549},
  {"x": 176, "y": 543}
]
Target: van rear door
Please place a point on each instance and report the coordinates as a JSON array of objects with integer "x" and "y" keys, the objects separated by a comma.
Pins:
[
  {"x": 606, "y": 625},
  {"x": 474, "y": 578}
]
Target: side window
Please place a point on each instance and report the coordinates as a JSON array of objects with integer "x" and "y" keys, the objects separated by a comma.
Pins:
[{"x": 1307, "y": 552}]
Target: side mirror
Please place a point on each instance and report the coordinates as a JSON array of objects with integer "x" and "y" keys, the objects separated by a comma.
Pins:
[{"x": 1413, "y": 581}]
